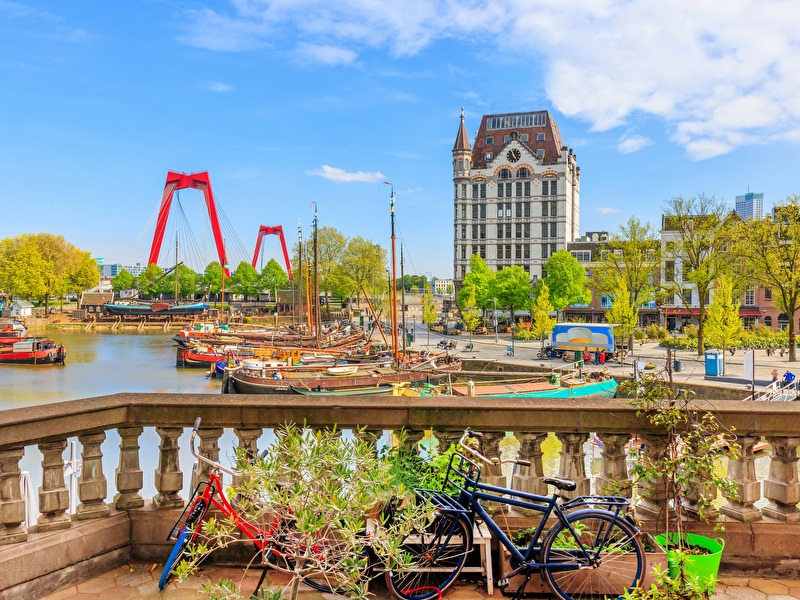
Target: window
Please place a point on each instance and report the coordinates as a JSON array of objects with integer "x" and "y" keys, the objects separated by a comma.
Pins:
[
  {"x": 506, "y": 139},
  {"x": 508, "y": 190},
  {"x": 553, "y": 229},
  {"x": 463, "y": 190},
  {"x": 553, "y": 191},
  {"x": 750, "y": 296},
  {"x": 526, "y": 249},
  {"x": 767, "y": 293},
  {"x": 669, "y": 271},
  {"x": 518, "y": 209},
  {"x": 526, "y": 230},
  {"x": 545, "y": 209},
  {"x": 526, "y": 209},
  {"x": 545, "y": 188},
  {"x": 463, "y": 211},
  {"x": 474, "y": 211},
  {"x": 500, "y": 231},
  {"x": 540, "y": 153},
  {"x": 545, "y": 249},
  {"x": 463, "y": 253},
  {"x": 768, "y": 321},
  {"x": 489, "y": 156},
  {"x": 518, "y": 252},
  {"x": 505, "y": 174},
  {"x": 483, "y": 211},
  {"x": 606, "y": 300},
  {"x": 483, "y": 232},
  {"x": 539, "y": 137},
  {"x": 500, "y": 188},
  {"x": 463, "y": 232},
  {"x": 527, "y": 188},
  {"x": 483, "y": 190},
  {"x": 524, "y": 137},
  {"x": 474, "y": 232},
  {"x": 545, "y": 230},
  {"x": 475, "y": 190},
  {"x": 508, "y": 210},
  {"x": 523, "y": 173},
  {"x": 518, "y": 230},
  {"x": 519, "y": 188},
  {"x": 482, "y": 251},
  {"x": 489, "y": 141},
  {"x": 687, "y": 294},
  {"x": 508, "y": 251},
  {"x": 582, "y": 255},
  {"x": 499, "y": 251},
  {"x": 500, "y": 210}
]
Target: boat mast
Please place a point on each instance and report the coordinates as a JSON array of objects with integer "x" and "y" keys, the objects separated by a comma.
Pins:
[
  {"x": 393, "y": 287},
  {"x": 317, "y": 320},
  {"x": 176, "y": 267},
  {"x": 403, "y": 299},
  {"x": 299, "y": 279}
]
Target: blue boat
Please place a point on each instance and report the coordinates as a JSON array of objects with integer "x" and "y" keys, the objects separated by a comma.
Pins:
[{"x": 565, "y": 388}]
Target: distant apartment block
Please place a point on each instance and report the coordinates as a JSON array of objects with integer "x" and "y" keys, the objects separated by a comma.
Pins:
[
  {"x": 115, "y": 269},
  {"x": 750, "y": 206}
]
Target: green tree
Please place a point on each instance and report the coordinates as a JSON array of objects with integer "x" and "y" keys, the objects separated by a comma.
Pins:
[
  {"x": 123, "y": 281},
  {"x": 246, "y": 281},
  {"x": 699, "y": 251},
  {"x": 566, "y": 279},
  {"x": 624, "y": 315},
  {"x": 331, "y": 245},
  {"x": 211, "y": 280},
  {"x": 723, "y": 323},
  {"x": 470, "y": 313},
  {"x": 362, "y": 263},
  {"x": 480, "y": 278},
  {"x": 633, "y": 253},
  {"x": 274, "y": 277},
  {"x": 22, "y": 268},
  {"x": 512, "y": 288},
  {"x": 151, "y": 281},
  {"x": 541, "y": 307},
  {"x": 428, "y": 313},
  {"x": 771, "y": 248},
  {"x": 84, "y": 275}
]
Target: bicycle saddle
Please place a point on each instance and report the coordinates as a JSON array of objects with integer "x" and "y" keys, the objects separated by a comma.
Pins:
[{"x": 567, "y": 485}]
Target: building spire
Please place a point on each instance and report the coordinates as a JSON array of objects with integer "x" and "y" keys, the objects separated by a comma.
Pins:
[{"x": 462, "y": 139}]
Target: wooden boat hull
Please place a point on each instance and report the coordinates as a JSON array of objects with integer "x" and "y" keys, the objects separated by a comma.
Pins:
[
  {"x": 607, "y": 388},
  {"x": 11, "y": 333},
  {"x": 155, "y": 309},
  {"x": 374, "y": 390},
  {"x": 238, "y": 381}
]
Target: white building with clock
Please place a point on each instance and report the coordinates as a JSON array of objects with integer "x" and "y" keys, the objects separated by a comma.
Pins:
[{"x": 516, "y": 193}]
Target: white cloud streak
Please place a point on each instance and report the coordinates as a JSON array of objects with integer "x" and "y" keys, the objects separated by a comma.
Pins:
[
  {"x": 717, "y": 75},
  {"x": 341, "y": 176}
]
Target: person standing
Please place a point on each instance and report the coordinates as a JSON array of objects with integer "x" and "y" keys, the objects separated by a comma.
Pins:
[
  {"x": 601, "y": 357},
  {"x": 788, "y": 378}
]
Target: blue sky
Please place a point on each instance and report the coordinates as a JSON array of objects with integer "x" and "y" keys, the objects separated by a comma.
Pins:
[{"x": 289, "y": 102}]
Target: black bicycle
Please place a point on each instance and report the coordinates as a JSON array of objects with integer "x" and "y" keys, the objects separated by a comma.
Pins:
[{"x": 591, "y": 549}]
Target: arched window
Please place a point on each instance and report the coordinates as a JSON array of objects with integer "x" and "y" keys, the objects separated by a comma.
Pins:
[
  {"x": 504, "y": 174},
  {"x": 783, "y": 322},
  {"x": 523, "y": 173},
  {"x": 768, "y": 321}
]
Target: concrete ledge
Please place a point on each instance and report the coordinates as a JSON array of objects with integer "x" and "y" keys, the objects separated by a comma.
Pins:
[{"x": 48, "y": 560}]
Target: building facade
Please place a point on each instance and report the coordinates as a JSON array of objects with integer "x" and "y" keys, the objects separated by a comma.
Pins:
[
  {"x": 750, "y": 206},
  {"x": 516, "y": 193}
]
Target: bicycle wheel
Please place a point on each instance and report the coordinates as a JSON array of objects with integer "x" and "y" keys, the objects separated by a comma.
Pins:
[
  {"x": 186, "y": 536},
  {"x": 610, "y": 561},
  {"x": 437, "y": 557},
  {"x": 328, "y": 571}
]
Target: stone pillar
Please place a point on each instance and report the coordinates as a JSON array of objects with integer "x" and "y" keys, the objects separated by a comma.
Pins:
[
  {"x": 614, "y": 478},
  {"x": 12, "y": 506},
  {"x": 129, "y": 476},
  {"x": 370, "y": 436},
  {"x": 92, "y": 484},
  {"x": 209, "y": 448},
  {"x": 571, "y": 464},
  {"x": 692, "y": 494},
  {"x": 742, "y": 472},
  {"x": 53, "y": 495},
  {"x": 652, "y": 494},
  {"x": 529, "y": 479},
  {"x": 169, "y": 477},
  {"x": 781, "y": 487},
  {"x": 411, "y": 439},
  {"x": 248, "y": 439}
]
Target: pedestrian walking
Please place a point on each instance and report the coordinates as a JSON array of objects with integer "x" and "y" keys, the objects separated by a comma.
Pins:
[
  {"x": 774, "y": 375},
  {"x": 597, "y": 356},
  {"x": 788, "y": 378},
  {"x": 586, "y": 356},
  {"x": 602, "y": 357}
]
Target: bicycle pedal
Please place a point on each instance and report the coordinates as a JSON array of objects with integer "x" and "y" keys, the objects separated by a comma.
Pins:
[{"x": 503, "y": 583}]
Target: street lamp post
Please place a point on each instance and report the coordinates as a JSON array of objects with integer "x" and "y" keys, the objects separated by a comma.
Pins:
[{"x": 494, "y": 316}]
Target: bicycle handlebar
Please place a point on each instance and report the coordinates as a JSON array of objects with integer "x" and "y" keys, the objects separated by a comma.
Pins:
[
  {"x": 477, "y": 454},
  {"x": 201, "y": 458}
]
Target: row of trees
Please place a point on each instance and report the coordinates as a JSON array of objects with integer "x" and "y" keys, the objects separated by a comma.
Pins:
[
  {"x": 707, "y": 249},
  {"x": 42, "y": 266}
]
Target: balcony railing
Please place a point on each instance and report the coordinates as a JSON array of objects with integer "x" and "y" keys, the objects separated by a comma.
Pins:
[{"x": 767, "y": 502}]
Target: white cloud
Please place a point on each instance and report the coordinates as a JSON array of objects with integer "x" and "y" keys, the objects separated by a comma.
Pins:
[
  {"x": 608, "y": 211},
  {"x": 342, "y": 176},
  {"x": 716, "y": 75},
  {"x": 633, "y": 143},
  {"x": 218, "y": 86},
  {"x": 327, "y": 55}
]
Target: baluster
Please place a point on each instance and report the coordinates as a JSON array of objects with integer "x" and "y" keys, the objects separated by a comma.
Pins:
[
  {"x": 781, "y": 487},
  {"x": 529, "y": 479},
  {"x": 169, "y": 477},
  {"x": 53, "y": 495},
  {"x": 742, "y": 472},
  {"x": 571, "y": 463},
  {"x": 92, "y": 484},
  {"x": 652, "y": 494},
  {"x": 370, "y": 436},
  {"x": 412, "y": 438},
  {"x": 129, "y": 476},
  {"x": 12, "y": 506},
  {"x": 614, "y": 477},
  {"x": 691, "y": 494},
  {"x": 209, "y": 448}
]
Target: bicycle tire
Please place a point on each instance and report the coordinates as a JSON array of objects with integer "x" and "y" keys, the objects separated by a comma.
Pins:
[
  {"x": 327, "y": 582},
  {"x": 616, "y": 546},
  {"x": 186, "y": 536},
  {"x": 437, "y": 556}
]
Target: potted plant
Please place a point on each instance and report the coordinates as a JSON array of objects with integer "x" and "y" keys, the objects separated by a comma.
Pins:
[{"x": 681, "y": 469}]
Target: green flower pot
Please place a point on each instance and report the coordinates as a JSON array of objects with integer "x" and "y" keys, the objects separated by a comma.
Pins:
[{"x": 703, "y": 566}]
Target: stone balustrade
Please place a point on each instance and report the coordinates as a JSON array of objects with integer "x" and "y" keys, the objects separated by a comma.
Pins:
[{"x": 768, "y": 507}]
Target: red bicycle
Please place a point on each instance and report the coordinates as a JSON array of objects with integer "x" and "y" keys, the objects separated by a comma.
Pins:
[{"x": 275, "y": 542}]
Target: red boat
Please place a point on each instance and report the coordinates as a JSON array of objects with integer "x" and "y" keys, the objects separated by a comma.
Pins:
[
  {"x": 33, "y": 351},
  {"x": 12, "y": 332}
]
